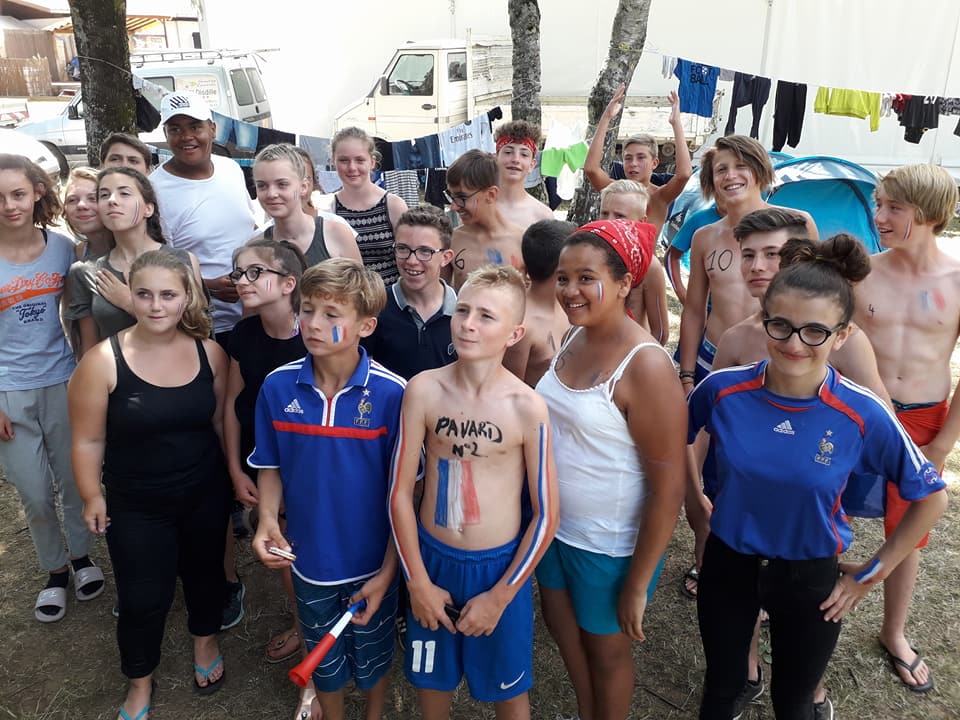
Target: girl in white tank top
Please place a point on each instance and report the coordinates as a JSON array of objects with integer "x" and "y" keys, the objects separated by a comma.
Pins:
[{"x": 619, "y": 424}]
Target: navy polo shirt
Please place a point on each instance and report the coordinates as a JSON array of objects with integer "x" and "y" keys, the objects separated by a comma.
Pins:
[
  {"x": 782, "y": 463},
  {"x": 408, "y": 344},
  {"x": 334, "y": 456}
]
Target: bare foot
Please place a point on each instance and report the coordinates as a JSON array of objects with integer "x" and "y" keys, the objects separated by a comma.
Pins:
[
  {"x": 139, "y": 693},
  {"x": 206, "y": 650},
  {"x": 899, "y": 648}
]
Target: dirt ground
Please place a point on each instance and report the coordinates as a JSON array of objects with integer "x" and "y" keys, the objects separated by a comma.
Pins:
[{"x": 71, "y": 669}]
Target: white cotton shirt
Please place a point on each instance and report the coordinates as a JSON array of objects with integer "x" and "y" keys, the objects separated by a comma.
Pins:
[
  {"x": 474, "y": 134},
  {"x": 210, "y": 218}
]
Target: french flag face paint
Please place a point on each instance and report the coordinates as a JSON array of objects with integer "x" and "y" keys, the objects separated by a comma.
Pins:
[
  {"x": 457, "y": 502},
  {"x": 599, "y": 291},
  {"x": 339, "y": 334}
]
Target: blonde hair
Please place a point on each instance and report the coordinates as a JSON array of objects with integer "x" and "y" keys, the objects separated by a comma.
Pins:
[
  {"x": 195, "y": 320},
  {"x": 79, "y": 173},
  {"x": 500, "y": 277},
  {"x": 624, "y": 187},
  {"x": 355, "y": 133},
  {"x": 929, "y": 189},
  {"x": 347, "y": 281},
  {"x": 283, "y": 152},
  {"x": 748, "y": 151},
  {"x": 646, "y": 141}
]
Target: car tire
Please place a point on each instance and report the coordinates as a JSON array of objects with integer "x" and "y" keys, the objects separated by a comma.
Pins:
[{"x": 61, "y": 161}]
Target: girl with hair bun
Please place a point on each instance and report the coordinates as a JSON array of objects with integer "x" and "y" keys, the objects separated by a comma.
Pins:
[
  {"x": 147, "y": 412},
  {"x": 788, "y": 431}
]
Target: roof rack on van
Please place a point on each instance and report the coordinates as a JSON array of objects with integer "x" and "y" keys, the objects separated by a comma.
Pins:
[{"x": 141, "y": 58}]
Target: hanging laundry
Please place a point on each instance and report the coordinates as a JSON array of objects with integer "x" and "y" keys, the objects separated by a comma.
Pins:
[
  {"x": 552, "y": 160},
  {"x": 435, "y": 186},
  {"x": 950, "y": 106},
  {"x": 494, "y": 114},
  {"x": 789, "y": 106},
  {"x": 751, "y": 90},
  {"x": 698, "y": 85},
  {"x": 269, "y": 136},
  {"x": 535, "y": 177},
  {"x": 474, "y": 134},
  {"x": 849, "y": 103},
  {"x": 230, "y": 130},
  {"x": 318, "y": 149},
  {"x": 668, "y": 66},
  {"x": 918, "y": 114},
  {"x": 329, "y": 181},
  {"x": 420, "y": 154},
  {"x": 728, "y": 75},
  {"x": 403, "y": 183}
]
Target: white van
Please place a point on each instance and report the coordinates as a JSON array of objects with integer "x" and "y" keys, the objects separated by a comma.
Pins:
[{"x": 229, "y": 80}]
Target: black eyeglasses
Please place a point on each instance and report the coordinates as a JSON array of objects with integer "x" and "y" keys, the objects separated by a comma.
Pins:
[
  {"x": 251, "y": 273},
  {"x": 810, "y": 335},
  {"x": 423, "y": 253},
  {"x": 460, "y": 200}
]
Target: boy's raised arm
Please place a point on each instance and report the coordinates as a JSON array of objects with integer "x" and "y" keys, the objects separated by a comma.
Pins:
[
  {"x": 684, "y": 165},
  {"x": 426, "y": 599},
  {"x": 482, "y": 612},
  {"x": 597, "y": 176}
]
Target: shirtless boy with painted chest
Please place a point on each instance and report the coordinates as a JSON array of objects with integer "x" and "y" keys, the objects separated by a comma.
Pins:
[{"x": 469, "y": 556}]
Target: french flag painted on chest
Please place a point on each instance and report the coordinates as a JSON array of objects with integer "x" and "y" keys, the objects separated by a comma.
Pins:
[{"x": 457, "y": 502}]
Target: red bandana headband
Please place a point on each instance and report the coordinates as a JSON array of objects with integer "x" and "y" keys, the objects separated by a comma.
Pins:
[
  {"x": 633, "y": 242},
  {"x": 510, "y": 140}
]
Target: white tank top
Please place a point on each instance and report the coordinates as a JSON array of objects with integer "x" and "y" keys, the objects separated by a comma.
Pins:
[{"x": 599, "y": 474}]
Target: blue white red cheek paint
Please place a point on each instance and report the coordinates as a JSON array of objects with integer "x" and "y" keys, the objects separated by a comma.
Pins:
[
  {"x": 869, "y": 572},
  {"x": 599, "y": 291},
  {"x": 339, "y": 334},
  {"x": 136, "y": 214},
  {"x": 268, "y": 284}
]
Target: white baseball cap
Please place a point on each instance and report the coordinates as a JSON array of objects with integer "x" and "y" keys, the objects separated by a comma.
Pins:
[{"x": 184, "y": 103}]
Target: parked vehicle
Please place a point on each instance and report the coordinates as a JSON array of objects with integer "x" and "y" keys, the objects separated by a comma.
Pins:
[
  {"x": 14, "y": 142},
  {"x": 13, "y": 111},
  {"x": 229, "y": 80}
]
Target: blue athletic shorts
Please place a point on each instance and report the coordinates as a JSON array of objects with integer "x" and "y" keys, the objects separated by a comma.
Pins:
[
  {"x": 498, "y": 666},
  {"x": 363, "y": 653},
  {"x": 705, "y": 356},
  {"x": 593, "y": 580}
]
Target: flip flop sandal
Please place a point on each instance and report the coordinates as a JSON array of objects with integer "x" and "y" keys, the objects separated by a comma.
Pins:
[
  {"x": 280, "y": 641},
  {"x": 691, "y": 574},
  {"x": 211, "y": 687},
  {"x": 85, "y": 577},
  {"x": 51, "y": 597},
  {"x": 896, "y": 662},
  {"x": 124, "y": 715}
]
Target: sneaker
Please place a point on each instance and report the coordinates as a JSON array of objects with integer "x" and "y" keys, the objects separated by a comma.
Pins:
[
  {"x": 116, "y": 611},
  {"x": 823, "y": 710},
  {"x": 750, "y": 693},
  {"x": 233, "y": 609}
]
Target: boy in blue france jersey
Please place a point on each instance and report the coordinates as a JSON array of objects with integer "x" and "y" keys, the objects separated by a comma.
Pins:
[
  {"x": 787, "y": 432},
  {"x": 469, "y": 556},
  {"x": 325, "y": 429}
]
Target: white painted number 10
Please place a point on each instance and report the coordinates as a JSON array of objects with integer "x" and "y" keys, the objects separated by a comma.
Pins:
[{"x": 421, "y": 657}]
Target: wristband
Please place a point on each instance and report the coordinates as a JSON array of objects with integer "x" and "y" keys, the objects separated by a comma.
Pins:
[{"x": 687, "y": 374}]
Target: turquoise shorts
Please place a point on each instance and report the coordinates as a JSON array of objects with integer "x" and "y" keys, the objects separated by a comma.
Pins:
[{"x": 593, "y": 580}]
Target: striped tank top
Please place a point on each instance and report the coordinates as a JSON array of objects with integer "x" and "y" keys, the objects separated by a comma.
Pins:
[{"x": 374, "y": 237}]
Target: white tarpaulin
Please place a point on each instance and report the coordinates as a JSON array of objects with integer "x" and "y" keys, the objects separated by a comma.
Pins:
[{"x": 875, "y": 45}]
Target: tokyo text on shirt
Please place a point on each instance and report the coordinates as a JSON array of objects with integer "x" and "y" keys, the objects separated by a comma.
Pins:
[
  {"x": 333, "y": 455},
  {"x": 782, "y": 463}
]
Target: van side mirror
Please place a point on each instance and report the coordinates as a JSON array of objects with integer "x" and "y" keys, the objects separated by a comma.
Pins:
[
  {"x": 384, "y": 85},
  {"x": 72, "y": 112}
]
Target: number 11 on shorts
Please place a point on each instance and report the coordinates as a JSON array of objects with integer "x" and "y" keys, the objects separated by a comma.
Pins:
[{"x": 423, "y": 653}]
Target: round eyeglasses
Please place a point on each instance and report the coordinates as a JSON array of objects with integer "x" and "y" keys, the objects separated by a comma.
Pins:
[{"x": 251, "y": 273}]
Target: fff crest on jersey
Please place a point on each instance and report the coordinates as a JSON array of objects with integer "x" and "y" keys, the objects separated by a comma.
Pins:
[
  {"x": 825, "y": 449},
  {"x": 364, "y": 408}
]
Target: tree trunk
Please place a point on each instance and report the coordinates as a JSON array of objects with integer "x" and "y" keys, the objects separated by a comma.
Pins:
[
  {"x": 99, "y": 27},
  {"x": 525, "y": 29},
  {"x": 626, "y": 44}
]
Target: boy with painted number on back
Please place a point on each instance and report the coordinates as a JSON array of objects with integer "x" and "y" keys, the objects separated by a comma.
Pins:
[
  {"x": 468, "y": 557},
  {"x": 486, "y": 236},
  {"x": 325, "y": 429}
]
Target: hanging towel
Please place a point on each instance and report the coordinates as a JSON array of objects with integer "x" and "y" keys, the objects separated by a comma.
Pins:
[{"x": 403, "y": 183}]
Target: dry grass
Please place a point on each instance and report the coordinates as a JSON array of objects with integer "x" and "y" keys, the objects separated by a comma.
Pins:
[{"x": 71, "y": 670}]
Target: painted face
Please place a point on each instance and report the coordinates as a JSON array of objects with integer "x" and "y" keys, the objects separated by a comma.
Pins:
[
  {"x": 516, "y": 161},
  {"x": 17, "y": 198},
  {"x": 121, "y": 204},
  {"x": 329, "y": 326},
  {"x": 586, "y": 289},
  {"x": 80, "y": 206},
  {"x": 732, "y": 177},
  {"x": 485, "y": 322},
  {"x": 894, "y": 219},
  {"x": 159, "y": 298},
  {"x": 122, "y": 155},
  {"x": 279, "y": 190},
  {"x": 190, "y": 140},
  {"x": 792, "y": 358},
  {"x": 416, "y": 242},
  {"x": 270, "y": 286},
  {"x": 760, "y": 259},
  {"x": 354, "y": 162},
  {"x": 623, "y": 206},
  {"x": 639, "y": 162}
]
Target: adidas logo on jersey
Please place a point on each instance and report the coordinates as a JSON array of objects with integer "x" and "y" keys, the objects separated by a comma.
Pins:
[
  {"x": 785, "y": 428},
  {"x": 294, "y": 407}
]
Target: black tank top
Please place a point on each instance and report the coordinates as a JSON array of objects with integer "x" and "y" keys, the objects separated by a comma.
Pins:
[{"x": 160, "y": 440}]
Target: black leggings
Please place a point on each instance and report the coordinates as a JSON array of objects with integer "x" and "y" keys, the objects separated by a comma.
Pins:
[
  {"x": 150, "y": 543},
  {"x": 731, "y": 590}
]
